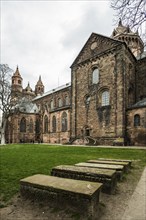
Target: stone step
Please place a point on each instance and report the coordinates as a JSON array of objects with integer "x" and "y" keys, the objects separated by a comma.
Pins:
[
  {"x": 61, "y": 192},
  {"x": 107, "y": 177},
  {"x": 119, "y": 168},
  {"x": 117, "y": 160},
  {"x": 125, "y": 164}
]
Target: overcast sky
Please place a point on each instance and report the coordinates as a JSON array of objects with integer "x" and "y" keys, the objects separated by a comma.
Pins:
[{"x": 44, "y": 37}]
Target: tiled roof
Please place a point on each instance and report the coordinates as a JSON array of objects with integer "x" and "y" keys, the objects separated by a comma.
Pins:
[
  {"x": 140, "y": 103},
  {"x": 53, "y": 90},
  {"x": 27, "y": 106}
]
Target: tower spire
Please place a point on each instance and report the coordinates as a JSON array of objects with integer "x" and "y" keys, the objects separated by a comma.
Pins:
[
  {"x": 17, "y": 83},
  {"x": 39, "y": 88},
  {"x": 120, "y": 22}
]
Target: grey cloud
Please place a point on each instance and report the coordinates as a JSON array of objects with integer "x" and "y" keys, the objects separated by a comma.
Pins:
[
  {"x": 43, "y": 40},
  {"x": 91, "y": 21}
]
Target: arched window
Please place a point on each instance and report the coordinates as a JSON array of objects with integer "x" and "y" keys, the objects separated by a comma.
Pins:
[
  {"x": 87, "y": 100},
  {"x": 46, "y": 124},
  {"x": 37, "y": 126},
  {"x": 95, "y": 76},
  {"x": 59, "y": 102},
  {"x": 105, "y": 98},
  {"x": 136, "y": 120},
  {"x": 64, "y": 121},
  {"x": 54, "y": 124},
  {"x": 52, "y": 104},
  {"x": 23, "y": 125},
  {"x": 31, "y": 126},
  {"x": 66, "y": 100}
]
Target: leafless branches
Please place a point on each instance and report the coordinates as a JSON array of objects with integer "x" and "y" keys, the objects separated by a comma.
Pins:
[
  {"x": 131, "y": 12},
  {"x": 5, "y": 89}
]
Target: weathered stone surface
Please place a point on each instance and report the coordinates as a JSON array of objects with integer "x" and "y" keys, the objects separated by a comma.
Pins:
[
  {"x": 136, "y": 134},
  {"x": 82, "y": 195},
  {"x": 94, "y": 123},
  {"x": 104, "y": 166},
  {"x": 141, "y": 79},
  {"x": 107, "y": 177},
  {"x": 118, "y": 168},
  {"x": 125, "y": 164},
  {"x": 117, "y": 160}
]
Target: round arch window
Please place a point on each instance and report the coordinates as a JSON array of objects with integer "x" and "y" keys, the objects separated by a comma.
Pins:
[{"x": 95, "y": 76}]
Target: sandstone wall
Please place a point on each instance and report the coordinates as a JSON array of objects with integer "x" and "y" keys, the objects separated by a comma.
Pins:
[
  {"x": 101, "y": 121},
  {"x": 136, "y": 134}
]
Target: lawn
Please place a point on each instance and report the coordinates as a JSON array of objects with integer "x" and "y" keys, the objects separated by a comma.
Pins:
[{"x": 19, "y": 161}]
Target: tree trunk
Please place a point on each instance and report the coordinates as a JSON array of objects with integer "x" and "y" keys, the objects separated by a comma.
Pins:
[{"x": 3, "y": 128}]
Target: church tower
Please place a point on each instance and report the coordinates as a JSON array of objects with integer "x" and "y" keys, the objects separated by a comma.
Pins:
[
  {"x": 132, "y": 39},
  {"x": 39, "y": 88},
  {"x": 17, "y": 84}
]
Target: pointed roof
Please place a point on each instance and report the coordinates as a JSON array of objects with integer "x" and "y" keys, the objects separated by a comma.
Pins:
[
  {"x": 121, "y": 29},
  {"x": 17, "y": 73},
  {"x": 28, "y": 88},
  {"x": 66, "y": 86},
  {"x": 120, "y": 22},
  {"x": 39, "y": 81},
  {"x": 95, "y": 45}
]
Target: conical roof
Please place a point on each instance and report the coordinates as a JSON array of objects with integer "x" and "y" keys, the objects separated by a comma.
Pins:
[
  {"x": 28, "y": 88},
  {"x": 17, "y": 73},
  {"x": 39, "y": 81},
  {"x": 121, "y": 29}
]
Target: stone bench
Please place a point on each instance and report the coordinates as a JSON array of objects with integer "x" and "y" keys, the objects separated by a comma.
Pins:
[
  {"x": 107, "y": 177},
  {"x": 117, "y": 160},
  {"x": 125, "y": 164},
  {"x": 61, "y": 192},
  {"x": 119, "y": 168}
]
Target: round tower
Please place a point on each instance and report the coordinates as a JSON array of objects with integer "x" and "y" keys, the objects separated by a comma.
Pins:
[
  {"x": 16, "y": 83},
  {"x": 132, "y": 39},
  {"x": 39, "y": 88}
]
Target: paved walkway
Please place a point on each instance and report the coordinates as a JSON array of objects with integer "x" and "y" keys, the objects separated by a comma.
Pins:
[
  {"x": 122, "y": 147},
  {"x": 136, "y": 209},
  {"x": 99, "y": 146}
]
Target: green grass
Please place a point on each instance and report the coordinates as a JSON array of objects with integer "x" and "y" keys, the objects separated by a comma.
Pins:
[{"x": 19, "y": 161}]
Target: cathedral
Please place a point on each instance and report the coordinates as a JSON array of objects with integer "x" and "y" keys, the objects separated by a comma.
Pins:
[{"x": 105, "y": 103}]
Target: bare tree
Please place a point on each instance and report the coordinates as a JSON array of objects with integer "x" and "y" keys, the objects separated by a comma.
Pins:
[
  {"x": 132, "y": 13},
  {"x": 5, "y": 97}
]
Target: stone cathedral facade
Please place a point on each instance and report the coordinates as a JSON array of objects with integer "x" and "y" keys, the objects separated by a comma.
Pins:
[{"x": 105, "y": 103}]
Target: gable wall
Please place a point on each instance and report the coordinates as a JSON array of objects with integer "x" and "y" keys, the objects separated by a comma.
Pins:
[{"x": 107, "y": 122}]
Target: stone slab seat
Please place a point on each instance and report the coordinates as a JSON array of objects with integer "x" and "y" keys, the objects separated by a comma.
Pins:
[
  {"x": 107, "y": 177},
  {"x": 56, "y": 191},
  {"x": 119, "y": 168},
  {"x": 125, "y": 164},
  {"x": 117, "y": 160}
]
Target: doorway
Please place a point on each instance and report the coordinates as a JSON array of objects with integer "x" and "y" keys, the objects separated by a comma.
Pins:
[{"x": 87, "y": 132}]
